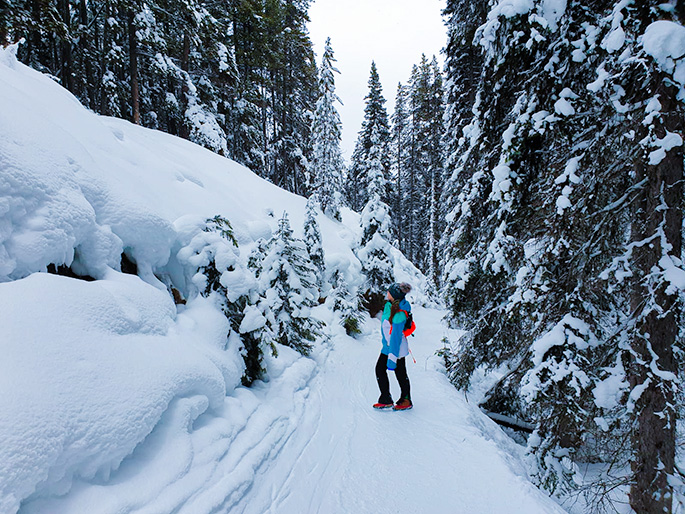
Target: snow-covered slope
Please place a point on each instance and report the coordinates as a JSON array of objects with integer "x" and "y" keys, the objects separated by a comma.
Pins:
[
  {"x": 116, "y": 400},
  {"x": 72, "y": 180}
]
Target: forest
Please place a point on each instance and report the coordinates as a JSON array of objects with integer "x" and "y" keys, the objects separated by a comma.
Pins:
[{"x": 536, "y": 180}]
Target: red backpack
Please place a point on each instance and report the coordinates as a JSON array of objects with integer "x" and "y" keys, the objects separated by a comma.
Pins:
[{"x": 409, "y": 325}]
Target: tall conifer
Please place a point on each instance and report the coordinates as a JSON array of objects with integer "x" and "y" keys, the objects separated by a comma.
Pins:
[
  {"x": 553, "y": 192},
  {"x": 374, "y": 137},
  {"x": 327, "y": 162}
]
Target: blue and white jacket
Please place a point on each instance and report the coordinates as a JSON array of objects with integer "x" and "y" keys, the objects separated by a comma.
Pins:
[{"x": 395, "y": 344}]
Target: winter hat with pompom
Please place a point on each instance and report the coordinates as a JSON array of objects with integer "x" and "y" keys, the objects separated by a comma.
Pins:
[{"x": 399, "y": 291}]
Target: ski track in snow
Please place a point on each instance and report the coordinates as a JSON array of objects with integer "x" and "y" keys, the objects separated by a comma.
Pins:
[
  {"x": 326, "y": 452},
  {"x": 441, "y": 456}
]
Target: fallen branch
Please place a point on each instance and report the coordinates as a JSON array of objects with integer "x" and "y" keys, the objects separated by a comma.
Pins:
[{"x": 510, "y": 422}]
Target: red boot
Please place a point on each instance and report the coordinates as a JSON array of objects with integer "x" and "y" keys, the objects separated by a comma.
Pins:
[
  {"x": 403, "y": 404},
  {"x": 381, "y": 405}
]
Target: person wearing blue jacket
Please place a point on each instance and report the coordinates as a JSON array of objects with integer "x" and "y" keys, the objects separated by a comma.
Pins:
[{"x": 395, "y": 348}]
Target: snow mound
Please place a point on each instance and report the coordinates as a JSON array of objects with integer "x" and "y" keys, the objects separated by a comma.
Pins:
[{"x": 91, "y": 371}]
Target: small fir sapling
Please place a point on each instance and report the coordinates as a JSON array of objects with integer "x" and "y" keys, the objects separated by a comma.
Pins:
[
  {"x": 313, "y": 242},
  {"x": 288, "y": 285},
  {"x": 327, "y": 163},
  {"x": 347, "y": 304}
]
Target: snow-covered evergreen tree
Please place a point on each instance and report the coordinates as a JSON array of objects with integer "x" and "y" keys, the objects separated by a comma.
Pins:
[
  {"x": 400, "y": 144},
  {"x": 313, "y": 243},
  {"x": 292, "y": 80},
  {"x": 214, "y": 253},
  {"x": 288, "y": 281},
  {"x": 327, "y": 162},
  {"x": 346, "y": 303},
  {"x": 426, "y": 167},
  {"x": 552, "y": 168},
  {"x": 374, "y": 249},
  {"x": 374, "y": 138},
  {"x": 417, "y": 165}
]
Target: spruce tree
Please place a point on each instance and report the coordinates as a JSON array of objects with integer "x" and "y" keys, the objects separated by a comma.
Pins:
[
  {"x": 400, "y": 143},
  {"x": 346, "y": 303},
  {"x": 222, "y": 275},
  {"x": 292, "y": 99},
  {"x": 314, "y": 244},
  {"x": 553, "y": 196},
  {"x": 374, "y": 138},
  {"x": 327, "y": 161},
  {"x": 417, "y": 157},
  {"x": 288, "y": 282},
  {"x": 375, "y": 251},
  {"x": 436, "y": 174}
]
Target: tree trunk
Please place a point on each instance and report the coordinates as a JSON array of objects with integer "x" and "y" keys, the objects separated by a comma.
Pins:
[
  {"x": 106, "y": 44},
  {"x": 133, "y": 68},
  {"x": 657, "y": 217},
  {"x": 399, "y": 213},
  {"x": 185, "y": 90},
  {"x": 66, "y": 68}
]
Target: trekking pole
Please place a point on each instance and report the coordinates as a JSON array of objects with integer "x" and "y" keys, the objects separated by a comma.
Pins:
[{"x": 412, "y": 356}]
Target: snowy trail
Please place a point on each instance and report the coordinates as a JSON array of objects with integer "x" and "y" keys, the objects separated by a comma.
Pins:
[
  {"x": 309, "y": 442},
  {"x": 441, "y": 456}
]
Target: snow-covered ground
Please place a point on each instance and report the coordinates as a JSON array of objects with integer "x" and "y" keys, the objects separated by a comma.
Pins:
[
  {"x": 442, "y": 456},
  {"x": 116, "y": 400}
]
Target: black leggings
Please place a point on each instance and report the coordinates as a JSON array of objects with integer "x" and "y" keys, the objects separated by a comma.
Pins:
[{"x": 384, "y": 383}]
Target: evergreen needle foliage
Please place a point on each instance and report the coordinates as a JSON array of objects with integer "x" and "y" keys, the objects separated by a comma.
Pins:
[
  {"x": 287, "y": 280},
  {"x": 564, "y": 221}
]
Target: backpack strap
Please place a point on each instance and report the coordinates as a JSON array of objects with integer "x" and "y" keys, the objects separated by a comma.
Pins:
[{"x": 407, "y": 331}]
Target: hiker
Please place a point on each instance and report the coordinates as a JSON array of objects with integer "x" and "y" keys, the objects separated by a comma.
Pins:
[{"x": 395, "y": 348}]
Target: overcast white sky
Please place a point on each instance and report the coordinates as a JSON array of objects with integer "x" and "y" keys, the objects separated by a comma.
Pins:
[{"x": 394, "y": 33}]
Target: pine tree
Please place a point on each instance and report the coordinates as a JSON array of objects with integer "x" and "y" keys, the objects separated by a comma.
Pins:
[
  {"x": 375, "y": 132},
  {"x": 327, "y": 161},
  {"x": 400, "y": 143},
  {"x": 553, "y": 197},
  {"x": 314, "y": 244},
  {"x": 346, "y": 303},
  {"x": 375, "y": 251},
  {"x": 288, "y": 283}
]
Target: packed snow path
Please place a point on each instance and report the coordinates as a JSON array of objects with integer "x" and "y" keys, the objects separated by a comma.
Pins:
[
  {"x": 307, "y": 442},
  {"x": 443, "y": 456}
]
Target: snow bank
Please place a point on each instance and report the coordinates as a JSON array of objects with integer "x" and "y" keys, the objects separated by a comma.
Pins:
[{"x": 91, "y": 368}]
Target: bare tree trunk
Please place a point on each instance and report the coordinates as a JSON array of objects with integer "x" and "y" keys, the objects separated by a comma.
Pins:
[
  {"x": 656, "y": 232},
  {"x": 185, "y": 90},
  {"x": 66, "y": 65},
  {"x": 106, "y": 44},
  {"x": 399, "y": 213},
  {"x": 133, "y": 68}
]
